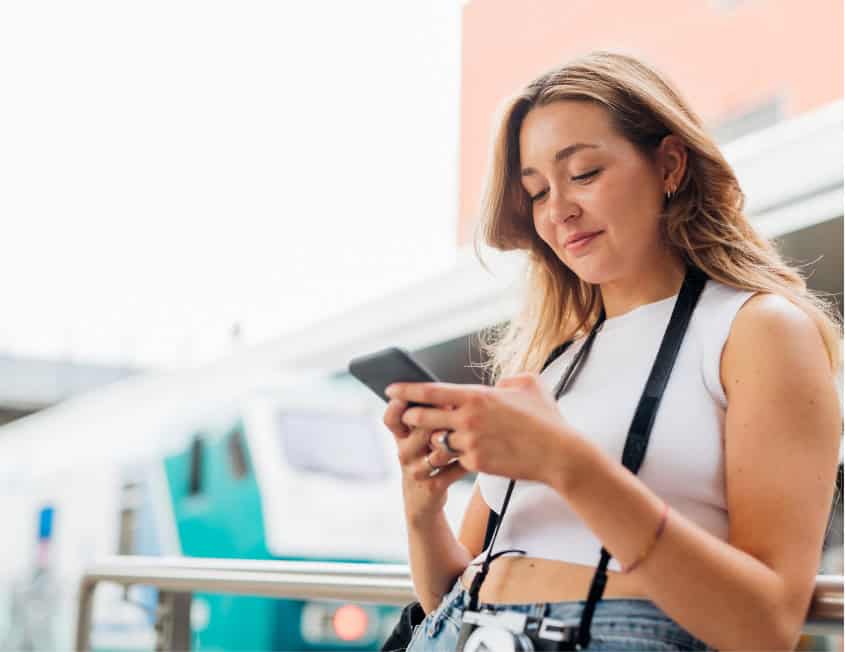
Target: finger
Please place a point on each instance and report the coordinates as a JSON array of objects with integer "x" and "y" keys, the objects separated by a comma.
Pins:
[
  {"x": 429, "y": 418},
  {"x": 413, "y": 448},
  {"x": 449, "y": 475},
  {"x": 458, "y": 440},
  {"x": 393, "y": 418},
  {"x": 437, "y": 441},
  {"x": 434, "y": 439},
  {"x": 431, "y": 393},
  {"x": 440, "y": 457},
  {"x": 427, "y": 467}
]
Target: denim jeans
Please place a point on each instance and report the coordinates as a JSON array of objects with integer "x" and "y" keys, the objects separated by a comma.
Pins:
[{"x": 618, "y": 624}]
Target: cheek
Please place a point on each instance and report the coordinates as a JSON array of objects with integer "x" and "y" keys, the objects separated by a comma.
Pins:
[
  {"x": 541, "y": 226},
  {"x": 631, "y": 208}
]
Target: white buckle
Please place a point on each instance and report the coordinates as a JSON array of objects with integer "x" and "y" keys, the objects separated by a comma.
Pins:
[
  {"x": 514, "y": 622},
  {"x": 552, "y": 629}
]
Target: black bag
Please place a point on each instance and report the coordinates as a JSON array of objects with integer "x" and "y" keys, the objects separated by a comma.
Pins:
[{"x": 399, "y": 639}]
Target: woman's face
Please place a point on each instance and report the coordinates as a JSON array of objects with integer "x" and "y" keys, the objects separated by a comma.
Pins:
[{"x": 596, "y": 199}]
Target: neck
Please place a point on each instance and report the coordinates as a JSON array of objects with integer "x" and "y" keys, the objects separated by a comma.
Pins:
[{"x": 660, "y": 280}]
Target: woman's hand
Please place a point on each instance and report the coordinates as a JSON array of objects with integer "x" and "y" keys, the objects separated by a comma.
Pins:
[
  {"x": 513, "y": 430},
  {"x": 424, "y": 491}
]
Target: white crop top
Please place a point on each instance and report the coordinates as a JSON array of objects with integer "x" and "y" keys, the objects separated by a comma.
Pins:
[{"x": 684, "y": 462}]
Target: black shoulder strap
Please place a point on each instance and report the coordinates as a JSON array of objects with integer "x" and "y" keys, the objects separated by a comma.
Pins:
[
  {"x": 638, "y": 434},
  {"x": 640, "y": 430},
  {"x": 555, "y": 354},
  {"x": 493, "y": 518}
]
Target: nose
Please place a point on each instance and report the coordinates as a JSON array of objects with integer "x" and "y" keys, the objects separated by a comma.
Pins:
[{"x": 561, "y": 208}]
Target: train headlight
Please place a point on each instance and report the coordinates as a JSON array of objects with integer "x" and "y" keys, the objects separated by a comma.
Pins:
[
  {"x": 325, "y": 622},
  {"x": 350, "y": 622}
]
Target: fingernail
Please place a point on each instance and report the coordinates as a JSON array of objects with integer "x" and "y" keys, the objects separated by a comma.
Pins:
[{"x": 390, "y": 390}]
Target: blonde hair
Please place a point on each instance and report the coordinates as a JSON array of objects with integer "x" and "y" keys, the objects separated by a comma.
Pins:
[{"x": 704, "y": 223}]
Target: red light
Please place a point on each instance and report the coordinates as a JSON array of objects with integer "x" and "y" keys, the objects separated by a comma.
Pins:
[{"x": 350, "y": 622}]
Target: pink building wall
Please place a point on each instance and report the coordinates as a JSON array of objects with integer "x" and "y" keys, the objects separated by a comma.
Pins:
[{"x": 726, "y": 57}]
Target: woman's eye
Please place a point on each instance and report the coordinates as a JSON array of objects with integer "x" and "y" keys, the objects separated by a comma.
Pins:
[
  {"x": 583, "y": 178},
  {"x": 587, "y": 175}
]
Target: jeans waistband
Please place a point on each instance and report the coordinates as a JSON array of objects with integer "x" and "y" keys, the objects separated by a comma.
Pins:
[{"x": 620, "y": 616}]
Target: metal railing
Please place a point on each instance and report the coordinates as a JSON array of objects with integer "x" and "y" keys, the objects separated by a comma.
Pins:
[{"x": 179, "y": 577}]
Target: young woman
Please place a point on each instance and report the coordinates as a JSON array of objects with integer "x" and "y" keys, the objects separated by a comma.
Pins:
[{"x": 605, "y": 177}]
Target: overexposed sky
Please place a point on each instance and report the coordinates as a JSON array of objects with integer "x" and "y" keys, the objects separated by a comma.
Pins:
[{"x": 170, "y": 168}]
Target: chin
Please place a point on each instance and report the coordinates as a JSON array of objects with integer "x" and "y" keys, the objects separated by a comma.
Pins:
[{"x": 594, "y": 274}]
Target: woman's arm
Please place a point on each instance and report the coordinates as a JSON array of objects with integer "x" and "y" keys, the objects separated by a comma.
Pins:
[
  {"x": 436, "y": 557},
  {"x": 781, "y": 442},
  {"x": 474, "y": 523}
]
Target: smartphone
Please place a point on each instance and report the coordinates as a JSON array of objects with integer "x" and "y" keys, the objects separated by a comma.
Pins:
[{"x": 391, "y": 365}]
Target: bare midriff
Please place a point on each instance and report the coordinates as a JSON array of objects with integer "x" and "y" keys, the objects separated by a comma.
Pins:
[{"x": 519, "y": 580}]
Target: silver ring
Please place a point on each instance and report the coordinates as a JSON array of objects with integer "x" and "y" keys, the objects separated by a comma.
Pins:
[
  {"x": 443, "y": 440},
  {"x": 434, "y": 469}
]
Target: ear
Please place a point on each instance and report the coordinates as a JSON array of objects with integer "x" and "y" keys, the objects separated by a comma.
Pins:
[{"x": 672, "y": 160}]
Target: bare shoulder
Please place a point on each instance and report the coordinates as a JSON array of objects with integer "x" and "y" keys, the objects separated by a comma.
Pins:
[
  {"x": 771, "y": 335},
  {"x": 768, "y": 315}
]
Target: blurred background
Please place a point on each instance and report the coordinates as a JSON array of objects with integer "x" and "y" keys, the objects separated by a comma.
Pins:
[{"x": 211, "y": 207}]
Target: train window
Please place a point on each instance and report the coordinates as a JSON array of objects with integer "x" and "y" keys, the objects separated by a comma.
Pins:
[
  {"x": 195, "y": 478},
  {"x": 130, "y": 500},
  {"x": 335, "y": 444},
  {"x": 237, "y": 454}
]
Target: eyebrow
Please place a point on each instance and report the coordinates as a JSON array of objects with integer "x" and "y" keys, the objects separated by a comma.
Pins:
[{"x": 561, "y": 154}]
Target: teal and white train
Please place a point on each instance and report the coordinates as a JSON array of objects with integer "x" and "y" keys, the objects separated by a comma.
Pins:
[{"x": 203, "y": 464}]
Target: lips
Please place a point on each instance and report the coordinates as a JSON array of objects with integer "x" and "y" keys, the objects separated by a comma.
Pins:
[{"x": 580, "y": 239}]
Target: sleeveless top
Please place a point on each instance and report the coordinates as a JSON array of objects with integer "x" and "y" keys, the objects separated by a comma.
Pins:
[{"x": 684, "y": 462}]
